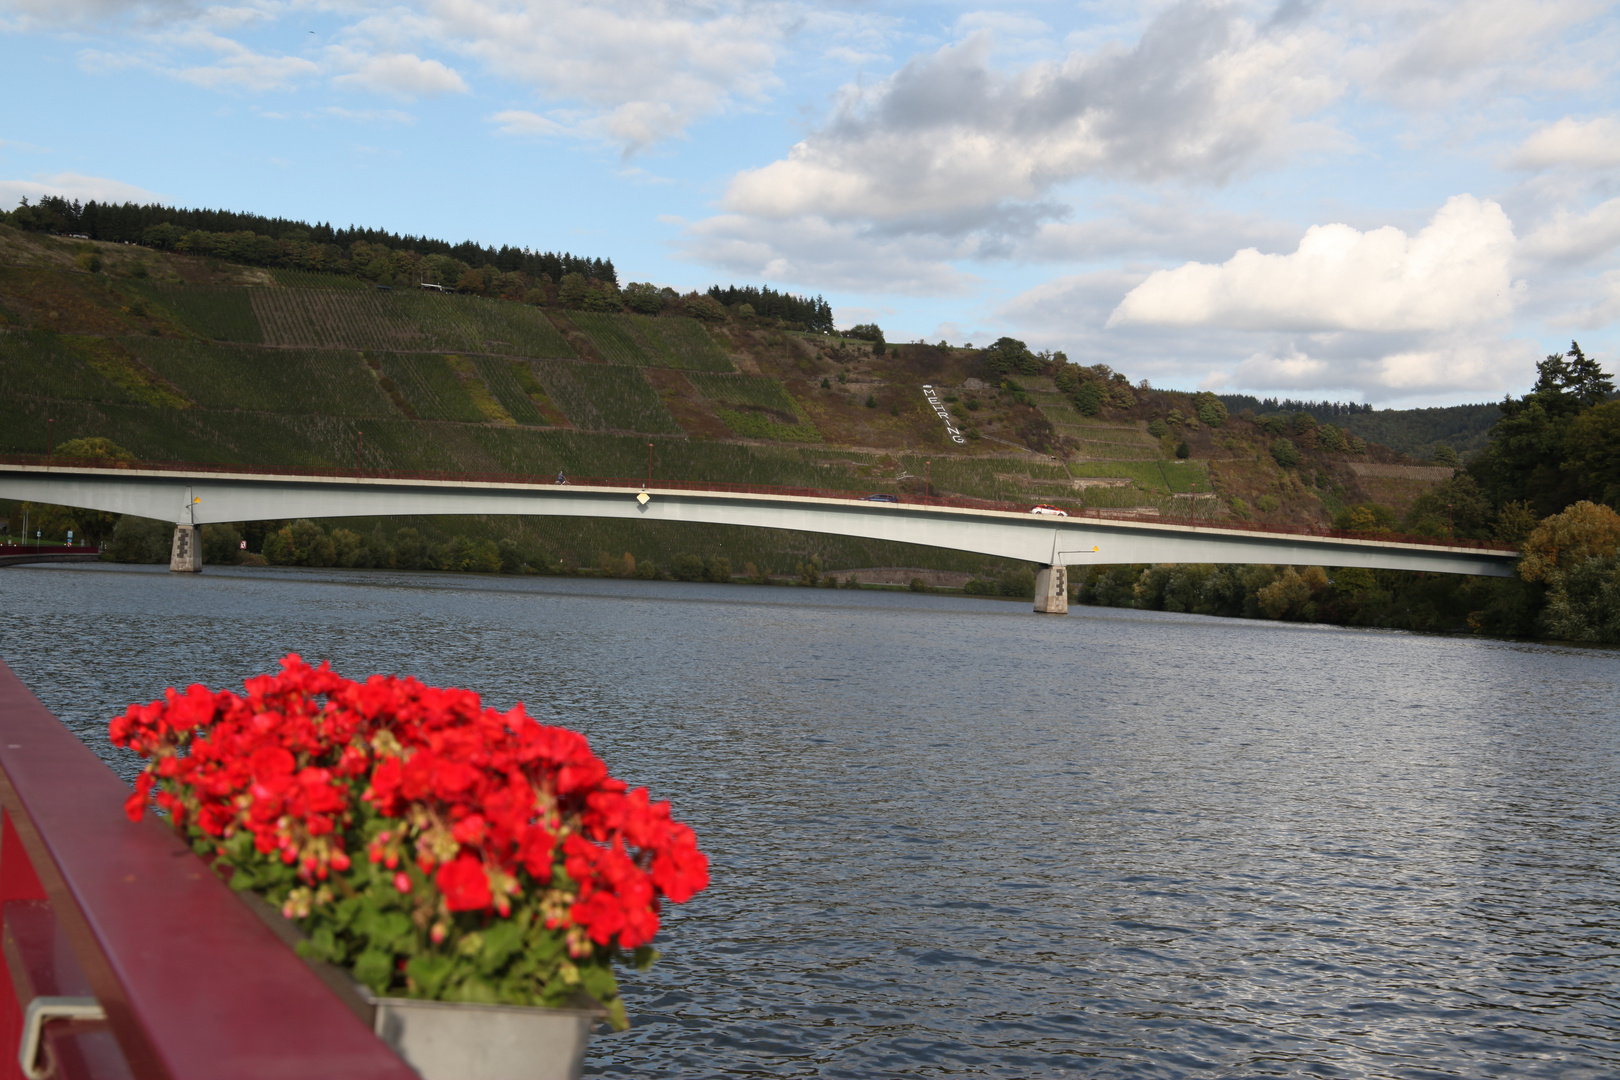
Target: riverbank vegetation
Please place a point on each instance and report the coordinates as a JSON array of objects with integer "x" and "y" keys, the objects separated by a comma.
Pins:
[{"x": 1547, "y": 480}]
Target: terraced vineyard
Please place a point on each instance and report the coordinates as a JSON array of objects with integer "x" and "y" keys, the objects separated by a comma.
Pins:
[
  {"x": 1104, "y": 445},
  {"x": 473, "y": 324},
  {"x": 430, "y": 385},
  {"x": 993, "y": 478},
  {"x": 224, "y": 314},
  {"x": 336, "y": 319},
  {"x": 501, "y": 377},
  {"x": 310, "y": 279},
  {"x": 647, "y": 342},
  {"x": 1174, "y": 476},
  {"x": 683, "y": 343},
  {"x": 44, "y": 366},
  {"x": 266, "y": 380},
  {"x": 761, "y": 407},
  {"x": 602, "y": 397},
  {"x": 614, "y": 337}
]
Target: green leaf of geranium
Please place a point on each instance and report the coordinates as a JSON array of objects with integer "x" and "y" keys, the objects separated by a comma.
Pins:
[
  {"x": 501, "y": 940},
  {"x": 429, "y": 972},
  {"x": 475, "y": 990},
  {"x": 375, "y": 969}
]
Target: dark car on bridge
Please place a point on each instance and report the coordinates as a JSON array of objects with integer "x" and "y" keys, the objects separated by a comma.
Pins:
[{"x": 880, "y": 498}]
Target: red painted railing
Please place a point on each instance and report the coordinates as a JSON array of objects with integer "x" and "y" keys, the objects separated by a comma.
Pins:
[
  {"x": 193, "y": 985},
  {"x": 1071, "y": 510},
  {"x": 47, "y": 549}
]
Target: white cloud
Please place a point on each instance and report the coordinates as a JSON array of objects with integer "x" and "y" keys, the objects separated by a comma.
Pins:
[
  {"x": 1170, "y": 227},
  {"x": 1411, "y": 368},
  {"x": 72, "y": 186},
  {"x": 1417, "y": 372},
  {"x": 1203, "y": 94},
  {"x": 638, "y": 71},
  {"x": 522, "y": 122},
  {"x": 369, "y": 116},
  {"x": 1590, "y": 144},
  {"x": 819, "y": 254},
  {"x": 646, "y": 69},
  {"x": 1430, "y": 54},
  {"x": 236, "y": 67},
  {"x": 38, "y": 14},
  {"x": 1576, "y": 238},
  {"x": 1604, "y": 310},
  {"x": 1455, "y": 272},
  {"x": 403, "y": 75}
]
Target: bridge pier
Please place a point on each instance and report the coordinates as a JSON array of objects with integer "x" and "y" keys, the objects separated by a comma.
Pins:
[
  {"x": 185, "y": 555},
  {"x": 1052, "y": 590}
]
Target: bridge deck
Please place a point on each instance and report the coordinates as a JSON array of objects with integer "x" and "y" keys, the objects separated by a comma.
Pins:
[{"x": 197, "y": 494}]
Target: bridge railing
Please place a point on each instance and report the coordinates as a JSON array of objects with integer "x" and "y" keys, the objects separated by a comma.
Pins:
[
  {"x": 1095, "y": 513},
  {"x": 104, "y": 916}
]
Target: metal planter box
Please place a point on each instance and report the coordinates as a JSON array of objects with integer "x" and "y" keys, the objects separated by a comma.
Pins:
[
  {"x": 447, "y": 1040},
  {"x": 452, "y": 1040}
]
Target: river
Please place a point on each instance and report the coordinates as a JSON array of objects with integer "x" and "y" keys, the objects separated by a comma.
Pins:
[{"x": 950, "y": 837}]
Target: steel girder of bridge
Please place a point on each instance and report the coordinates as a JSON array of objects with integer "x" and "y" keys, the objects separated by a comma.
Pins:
[{"x": 206, "y": 497}]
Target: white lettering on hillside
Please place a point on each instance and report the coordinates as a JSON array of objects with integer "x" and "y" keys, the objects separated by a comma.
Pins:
[{"x": 944, "y": 414}]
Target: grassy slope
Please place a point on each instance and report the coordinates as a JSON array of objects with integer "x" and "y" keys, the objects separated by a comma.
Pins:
[{"x": 191, "y": 359}]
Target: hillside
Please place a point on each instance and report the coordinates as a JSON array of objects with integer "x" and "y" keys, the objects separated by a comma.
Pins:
[
  {"x": 193, "y": 358},
  {"x": 1419, "y": 432}
]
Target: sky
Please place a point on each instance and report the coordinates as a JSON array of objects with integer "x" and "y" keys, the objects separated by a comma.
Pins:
[{"x": 1402, "y": 202}]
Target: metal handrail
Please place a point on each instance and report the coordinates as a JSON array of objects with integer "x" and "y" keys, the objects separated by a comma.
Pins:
[
  {"x": 720, "y": 487},
  {"x": 193, "y": 985}
]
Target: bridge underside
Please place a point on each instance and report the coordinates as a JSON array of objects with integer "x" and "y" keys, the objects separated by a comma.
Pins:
[{"x": 204, "y": 498}]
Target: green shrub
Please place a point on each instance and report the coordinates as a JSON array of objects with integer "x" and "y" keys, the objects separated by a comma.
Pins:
[
  {"x": 1584, "y": 603},
  {"x": 222, "y": 545},
  {"x": 706, "y": 308},
  {"x": 1089, "y": 399},
  {"x": 1267, "y": 504},
  {"x": 1365, "y": 517},
  {"x": 94, "y": 451},
  {"x": 140, "y": 540},
  {"x": 643, "y": 296},
  {"x": 1285, "y": 453},
  {"x": 687, "y": 568},
  {"x": 300, "y": 544},
  {"x": 1020, "y": 582},
  {"x": 1211, "y": 409}
]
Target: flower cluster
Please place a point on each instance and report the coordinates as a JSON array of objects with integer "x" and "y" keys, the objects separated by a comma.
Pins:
[{"x": 463, "y": 809}]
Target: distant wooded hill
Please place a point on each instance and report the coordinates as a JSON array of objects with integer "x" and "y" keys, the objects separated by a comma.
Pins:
[
  {"x": 1418, "y": 432},
  {"x": 163, "y": 227}
]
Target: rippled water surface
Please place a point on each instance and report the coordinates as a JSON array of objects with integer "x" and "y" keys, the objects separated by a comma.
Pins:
[{"x": 953, "y": 838}]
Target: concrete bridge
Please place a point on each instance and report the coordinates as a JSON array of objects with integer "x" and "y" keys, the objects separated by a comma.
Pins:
[{"x": 194, "y": 496}]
